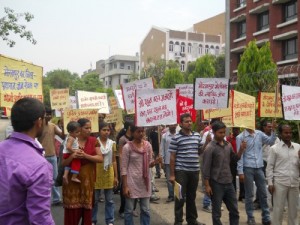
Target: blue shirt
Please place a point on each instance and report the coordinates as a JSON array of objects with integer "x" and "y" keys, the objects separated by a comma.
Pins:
[
  {"x": 164, "y": 146},
  {"x": 253, "y": 155},
  {"x": 186, "y": 148},
  {"x": 25, "y": 182}
]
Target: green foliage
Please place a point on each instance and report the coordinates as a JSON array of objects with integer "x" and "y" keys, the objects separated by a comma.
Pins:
[
  {"x": 57, "y": 79},
  {"x": 205, "y": 67},
  {"x": 10, "y": 24},
  {"x": 171, "y": 77},
  {"x": 133, "y": 76},
  {"x": 220, "y": 66},
  {"x": 256, "y": 70}
]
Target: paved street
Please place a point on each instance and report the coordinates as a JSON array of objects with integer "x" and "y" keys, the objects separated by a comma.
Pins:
[{"x": 162, "y": 212}]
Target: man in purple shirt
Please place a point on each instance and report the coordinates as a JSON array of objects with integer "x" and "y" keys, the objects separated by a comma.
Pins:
[{"x": 25, "y": 175}]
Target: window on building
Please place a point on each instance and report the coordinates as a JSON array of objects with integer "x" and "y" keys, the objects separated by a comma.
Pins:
[
  {"x": 115, "y": 66},
  {"x": 200, "y": 49},
  {"x": 171, "y": 46},
  {"x": 212, "y": 49},
  {"x": 290, "y": 10},
  {"x": 217, "y": 50},
  {"x": 241, "y": 29},
  {"x": 206, "y": 49},
  {"x": 129, "y": 67},
  {"x": 182, "y": 66},
  {"x": 189, "y": 48},
  {"x": 182, "y": 47},
  {"x": 109, "y": 83},
  {"x": 241, "y": 3},
  {"x": 263, "y": 20},
  {"x": 290, "y": 48},
  {"x": 125, "y": 80},
  {"x": 122, "y": 65}
]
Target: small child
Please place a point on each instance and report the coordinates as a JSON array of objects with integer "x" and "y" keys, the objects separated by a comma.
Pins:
[{"x": 70, "y": 146}]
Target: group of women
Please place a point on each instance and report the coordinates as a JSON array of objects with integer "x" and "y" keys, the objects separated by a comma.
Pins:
[{"x": 99, "y": 172}]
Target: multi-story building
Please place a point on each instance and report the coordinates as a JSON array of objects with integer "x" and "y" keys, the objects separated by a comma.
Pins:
[
  {"x": 275, "y": 21},
  {"x": 180, "y": 46},
  {"x": 117, "y": 69}
]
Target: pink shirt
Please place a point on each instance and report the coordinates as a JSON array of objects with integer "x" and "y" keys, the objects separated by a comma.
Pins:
[{"x": 132, "y": 166}]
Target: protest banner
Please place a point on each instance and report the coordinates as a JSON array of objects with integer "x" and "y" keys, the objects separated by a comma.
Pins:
[
  {"x": 185, "y": 90},
  {"x": 116, "y": 115},
  {"x": 266, "y": 105},
  {"x": 185, "y": 105},
  {"x": 227, "y": 120},
  {"x": 155, "y": 107},
  {"x": 73, "y": 105},
  {"x": 76, "y": 114},
  {"x": 128, "y": 92},
  {"x": 218, "y": 113},
  {"x": 59, "y": 98},
  {"x": 19, "y": 79},
  {"x": 211, "y": 93},
  {"x": 243, "y": 110},
  {"x": 93, "y": 100},
  {"x": 119, "y": 97},
  {"x": 290, "y": 102}
]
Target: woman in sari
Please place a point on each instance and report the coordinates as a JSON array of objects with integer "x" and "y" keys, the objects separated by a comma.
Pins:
[{"x": 78, "y": 197}]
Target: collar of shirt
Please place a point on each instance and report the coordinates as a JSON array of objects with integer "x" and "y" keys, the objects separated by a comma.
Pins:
[
  {"x": 285, "y": 145},
  {"x": 180, "y": 132},
  {"x": 168, "y": 133},
  {"x": 25, "y": 138},
  {"x": 217, "y": 143},
  {"x": 246, "y": 133}
]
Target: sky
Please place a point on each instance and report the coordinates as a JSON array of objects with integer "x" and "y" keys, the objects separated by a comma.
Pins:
[{"x": 74, "y": 34}]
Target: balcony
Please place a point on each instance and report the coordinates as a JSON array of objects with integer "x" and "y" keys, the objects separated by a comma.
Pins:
[
  {"x": 240, "y": 5},
  {"x": 279, "y": 1},
  {"x": 285, "y": 36},
  {"x": 289, "y": 22},
  {"x": 238, "y": 18},
  {"x": 259, "y": 9}
]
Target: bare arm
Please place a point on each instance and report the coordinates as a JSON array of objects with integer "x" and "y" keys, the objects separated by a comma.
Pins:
[
  {"x": 98, "y": 158},
  {"x": 172, "y": 167},
  {"x": 59, "y": 132},
  {"x": 69, "y": 145},
  {"x": 115, "y": 166}
]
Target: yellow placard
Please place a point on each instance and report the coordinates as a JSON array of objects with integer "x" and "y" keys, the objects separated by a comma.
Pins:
[
  {"x": 227, "y": 120},
  {"x": 266, "y": 106},
  {"x": 218, "y": 113},
  {"x": 116, "y": 114},
  {"x": 59, "y": 98},
  {"x": 19, "y": 79},
  {"x": 243, "y": 110},
  {"x": 76, "y": 114}
]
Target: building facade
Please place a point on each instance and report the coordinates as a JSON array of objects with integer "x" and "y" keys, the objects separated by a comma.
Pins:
[
  {"x": 274, "y": 21},
  {"x": 180, "y": 46},
  {"x": 117, "y": 69}
]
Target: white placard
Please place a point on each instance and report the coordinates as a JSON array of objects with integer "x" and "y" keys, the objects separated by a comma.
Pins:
[
  {"x": 73, "y": 105},
  {"x": 211, "y": 93},
  {"x": 93, "y": 100},
  {"x": 290, "y": 99},
  {"x": 119, "y": 97},
  {"x": 186, "y": 90},
  {"x": 155, "y": 107},
  {"x": 128, "y": 91}
]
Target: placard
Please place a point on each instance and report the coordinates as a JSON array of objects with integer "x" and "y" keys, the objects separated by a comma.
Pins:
[
  {"x": 185, "y": 90},
  {"x": 243, "y": 110},
  {"x": 155, "y": 107},
  {"x": 290, "y": 102},
  {"x": 93, "y": 100},
  {"x": 266, "y": 105},
  {"x": 59, "y": 98},
  {"x": 185, "y": 105},
  {"x": 119, "y": 97},
  {"x": 211, "y": 93},
  {"x": 116, "y": 115},
  {"x": 218, "y": 113},
  {"x": 128, "y": 91},
  {"x": 19, "y": 79},
  {"x": 76, "y": 114}
]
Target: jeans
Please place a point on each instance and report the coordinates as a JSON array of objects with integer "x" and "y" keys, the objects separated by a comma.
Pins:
[
  {"x": 54, "y": 191},
  {"x": 189, "y": 183},
  {"x": 109, "y": 206},
  {"x": 206, "y": 202},
  {"x": 170, "y": 185},
  {"x": 226, "y": 193},
  {"x": 257, "y": 175},
  {"x": 145, "y": 211},
  {"x": 157, "y": 166}
]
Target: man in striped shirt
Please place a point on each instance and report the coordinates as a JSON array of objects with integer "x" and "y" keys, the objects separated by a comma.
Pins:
[{"x": 184, "y": 166}]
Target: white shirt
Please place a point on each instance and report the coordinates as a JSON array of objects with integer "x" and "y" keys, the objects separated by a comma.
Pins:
[
  {"x": 284, "y": 165},
  {"x": 266, "y": 149}
]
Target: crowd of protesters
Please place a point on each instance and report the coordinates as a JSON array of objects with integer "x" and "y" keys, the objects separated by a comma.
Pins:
[{"x": 38, "y": 156}]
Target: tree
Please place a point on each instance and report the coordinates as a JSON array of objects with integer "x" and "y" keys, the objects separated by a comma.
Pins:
[
  {"x": 220, "y": 65},
  {"x": 256, "y": 70},
  {"x": 91, "y": 82},
  {"x": 171, "y": 77},
  {"x": 9, "y": 23},
  {"x": 205, "y": 67}
]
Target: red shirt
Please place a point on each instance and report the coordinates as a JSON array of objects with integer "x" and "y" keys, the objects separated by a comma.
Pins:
[{"x": 232, "y": 140}]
